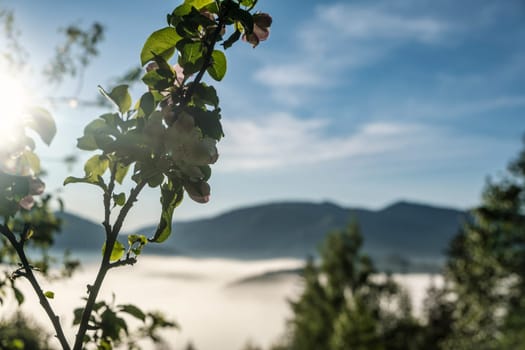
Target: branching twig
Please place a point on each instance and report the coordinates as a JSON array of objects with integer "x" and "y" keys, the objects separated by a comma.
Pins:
[
  {"x": 55, "y": 320},
  {"x": 126, "y": 261},
  {"x": 112, "y": 232},
  {"x": 105, "y": 265},
  {"x": 208, "y": 57}
]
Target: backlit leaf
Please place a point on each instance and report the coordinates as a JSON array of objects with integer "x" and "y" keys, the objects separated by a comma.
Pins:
[
  {"x": 96, "y": 166},
  {"x": 217, "y": 70},
  {"x": 171, "y": 197},
  {"x": 119, "y": 96},
  {"x": 198, "y": 4},
  {"x": 117, "y": 252},
  {"x": 133, "y": 311},
  {"x": 162, "y": 43},
  {"x": 43, "y": 123}
]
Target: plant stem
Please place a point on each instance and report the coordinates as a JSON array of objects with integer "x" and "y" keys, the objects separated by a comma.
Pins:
[
  {"x": 112, "y": 232},
  {"x": 105, "y": 265},
  {"x": 28, "y": 273},
  {"x": 208, "y": 57}
]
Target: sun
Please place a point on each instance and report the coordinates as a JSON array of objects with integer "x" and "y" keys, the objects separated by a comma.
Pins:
[{"x": 13, "y": 107}]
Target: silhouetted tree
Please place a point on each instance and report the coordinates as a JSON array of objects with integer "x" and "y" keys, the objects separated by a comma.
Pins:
[
  {"x": 19, "y": 332},
  {"x": 346, "y": 305},
  {"x": 486, "y": 269}
]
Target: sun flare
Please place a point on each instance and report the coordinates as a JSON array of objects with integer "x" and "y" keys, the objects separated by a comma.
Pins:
[{"x": 13, "y": 104}]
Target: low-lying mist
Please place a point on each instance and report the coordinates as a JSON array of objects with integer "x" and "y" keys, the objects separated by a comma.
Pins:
[{"x": 219, "y": 304}]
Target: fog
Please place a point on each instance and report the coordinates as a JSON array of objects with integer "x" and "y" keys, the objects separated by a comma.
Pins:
[{"x": 213, "y": 310}]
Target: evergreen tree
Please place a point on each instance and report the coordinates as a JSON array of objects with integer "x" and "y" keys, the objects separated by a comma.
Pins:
[
  {"x": 311, "y": 325},
  {"x": 486, "y": 269},
  {"x": 344, "y": 303}
]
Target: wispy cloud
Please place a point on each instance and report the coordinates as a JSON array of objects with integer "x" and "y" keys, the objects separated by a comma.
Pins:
[
  {"x": 359, "y": 22},
  {"x": 283, "y": 140},
  {"x": 341, "y": 37}
]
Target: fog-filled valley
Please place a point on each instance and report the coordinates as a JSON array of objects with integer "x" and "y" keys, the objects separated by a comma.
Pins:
[{"x": 219, "y": 304}]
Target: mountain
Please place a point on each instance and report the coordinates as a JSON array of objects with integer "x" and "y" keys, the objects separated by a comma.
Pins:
[
  {"x": 400, "y": 234},
  {"x": 401, "y": 231},
  {"x": 78, "y": 234}
]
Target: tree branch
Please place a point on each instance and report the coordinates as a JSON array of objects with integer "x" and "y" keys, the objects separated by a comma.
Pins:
[
  {"x": 105, "y": 265},
  {"x": 55, "y": 320},
  {"x": 208, "y": 57}
]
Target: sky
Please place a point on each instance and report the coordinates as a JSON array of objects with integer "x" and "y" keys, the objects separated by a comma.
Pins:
[{"x": 360, "y": 103}]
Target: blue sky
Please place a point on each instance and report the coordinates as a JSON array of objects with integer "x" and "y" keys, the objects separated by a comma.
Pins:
[{"x": 362, "y": 103}]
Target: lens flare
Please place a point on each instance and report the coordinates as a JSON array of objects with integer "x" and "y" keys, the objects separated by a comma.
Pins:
[{"x": 13, "y": 103}]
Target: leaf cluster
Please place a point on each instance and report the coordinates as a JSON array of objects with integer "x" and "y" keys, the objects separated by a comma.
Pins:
[{"x": 109, "y": 326}]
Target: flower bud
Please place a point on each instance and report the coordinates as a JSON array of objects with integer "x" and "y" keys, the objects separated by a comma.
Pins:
[
  {"x": 261, "y": 29},
  {"x": 198, "y": 191},
  {"x": 179, "y": 71},
  {"x": 27, "y": 202},
  {"x": 36, "y": 186},
  {"x": 152, "y": 66}
]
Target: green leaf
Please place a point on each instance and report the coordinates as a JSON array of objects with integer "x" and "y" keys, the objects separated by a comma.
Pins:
[
  {"x": 198, "y": 4},
  {"x": 248, "y": 3},
  {"x": 231, "y": 39},
  {"x": 49, "y": 294},
  {"x": 162, "y": 42},
  {"x": 190, "y": 53},
  {"x": 18, "y": 295},
  {"x": 245, "y": 18},
  {"x": 119, "y": 199},
  {"x": 208, "y": 122},
  {"x": 121, "y": 172},
  {"x": 133, "y": 311},
  {"x": 96, "y": 133},
  {"x": 17, "y": 344},
  {"x": 206, "y": 94},
  {"x": 136, "y": 243},
  {"x": 155, "y": 180},
  {"x": 43, "y": 123},
  {"x": 141, "y": 239},
  {"x": 87, "y": 143},
  {"x": 98, "y": 125},
  {"x": 157, "y": 81},
  {"x": 116, "y": 253},
  {"x": 147, "y": 103},
  {"x": 171, "y": 197},
  {"x": 112, "y": 120},
  {"x": 30, "y": 159},
  {"x": 111, "y": 325},
  {"x": 217, "y": 70},
  {"x": 120, "y": 96},
  {"x": 96, "y": 166},
  {"x": 77, "y": 316},
  {"x": 73, "y": 180}
]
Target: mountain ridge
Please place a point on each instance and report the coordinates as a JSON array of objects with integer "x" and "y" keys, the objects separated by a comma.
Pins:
[{"x": 401, "y": 230}]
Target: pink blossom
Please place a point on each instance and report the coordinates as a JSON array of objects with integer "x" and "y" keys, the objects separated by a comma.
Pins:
[
  {"x": 198, "y": 191},
  {"x": 27, "y": 202},
  {"x": 179, "y": 71},
  {"x": 261, "y": 29},
  {"x": 36, "y": 186},
  {"x": 152, "y": 66}
]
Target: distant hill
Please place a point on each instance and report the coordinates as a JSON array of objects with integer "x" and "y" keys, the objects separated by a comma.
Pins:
[
  {"x": 401, "y": 231},
  {"x": 78, "y": 234}
]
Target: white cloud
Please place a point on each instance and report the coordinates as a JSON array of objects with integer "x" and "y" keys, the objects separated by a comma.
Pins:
[
  {"x": 341, "y": 37},
  {"x": 358, "y": 22},
  {"x": 282, "y": 140},
  {"x": 443, "y": 110},
  {"x": 288, "y": 75}
]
